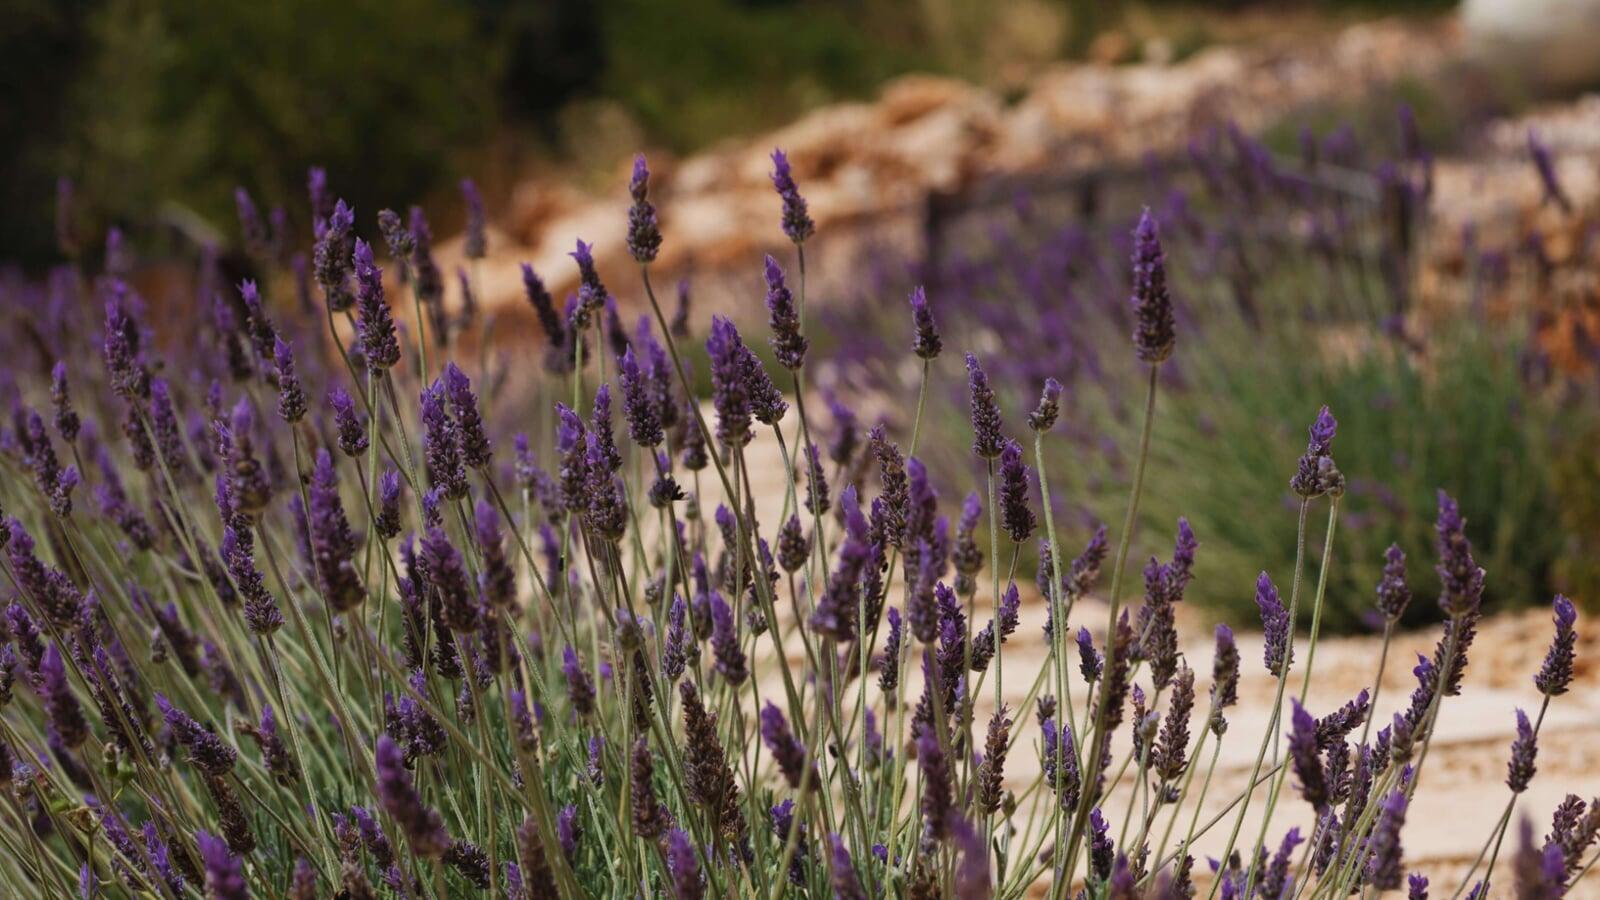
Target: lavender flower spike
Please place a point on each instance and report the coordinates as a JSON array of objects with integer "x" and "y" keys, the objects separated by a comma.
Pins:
[
  {"x": 1303, "y": 754},
  {"x": 927, "y": 344},
  {"x": 1043, "y": 417},
  {"x": 476, "y": 243},
  {"x": 1394, "y": 593},
  {"x": 224, "y": 874},
  {"x": 1556, "y": 671},
  {"x": 1384, "y": 868},
  {"x": 1524, "y": 750},
  {"x": 730, "y": 659},
  {"x": 1015, "y": 514},
  {"x": 475, "y": 450},
  {"x": 580, "y": 689},
  {"x": 797, "y": 222},
  {"x": 1275, "y": 624},
  {"x": 846, "y": 885},
  {"x": 788, "y": 344},
  {"x": 1154, "y": 335},
  {"x": 349, "y": 424},
  {"x": 1545, "y": 166},
  {"x": 1462, "y": 579},
  {"x": 376, "y": 325},
  {"x": 66, "y": 418},
  {"x": 644, "y": 234},
  {"x": 66, "y": 715},
  {"x": 683, "y": 863},
  {"x": 1316, "y": 474},
  {"x": 987, "y": 440},
  {"x": 422, "y": 826},
  {"x": 291, "y": 395},
  {"x": 787, "y": 750},
  {"x": 730, "y": 392}
]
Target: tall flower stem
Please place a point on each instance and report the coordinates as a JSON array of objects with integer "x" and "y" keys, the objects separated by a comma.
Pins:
[
  {"x": 1311, "y": 651},
  {"x": 1081, "y": 816},
  {"x": 1277, "y": 704},
  {"x": 1377, "y": 679}
]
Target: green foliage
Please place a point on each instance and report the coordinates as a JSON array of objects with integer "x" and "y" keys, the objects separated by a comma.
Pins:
[
  {"x": 1409, "y": 425},
  {"x": 188, "y": 99},
  {"x": 698, "y": 69}
]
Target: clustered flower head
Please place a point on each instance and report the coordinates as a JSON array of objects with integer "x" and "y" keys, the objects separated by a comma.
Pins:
[
  {"x": 644, "y": 235},
  {"x": 1155, "y": 333},
  {"x": 797, "y": 222},
  {"x": 1316, "y": 473}
]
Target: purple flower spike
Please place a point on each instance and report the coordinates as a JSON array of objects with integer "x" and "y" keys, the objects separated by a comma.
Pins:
[
  {"x": 374, "y": 322},
  {"x": 1015, "y": 514},
  {"x": 787, "y": 750},
  {"x": 224, "y": 874},
  {"x": 333, "y": 544},
  {"x": 788, "y": 344},
  {"x": 644, "y": 233},
  {"x": 797, "y": 222},
  {"x": 1394, "y": 592},
  {"x": 987, "y": 440},
  {"x": 1524, "y": 750},
  {"x": 67, "y": 723},
  {"x": 66, "y": 420},
  {"x": 1384, "y": 868},
  {"x": 639, "y": 406},
  {"x": 684, "y": 863},
  {"x": 291, "y": 395},
  {"x": 422, "y": 826},
  {"x": 1463, "y": 580},
  {"x": 1090, "y": 662},
  {"x": 476, "y": 243},
  {"x": 1224, "y": 678},
  {"x": 1316, "y": 474},
  {"x": 1155, "y": 334},
  {"x": 580, "y": 689},
  {"x": 428, "y": 282},
  {"x": 1102, "y": 852},
  {"x": 591, "y": 291},
  {"x": 568, "y": 831},
  {"x": 1417, "y": 887},
  {"x": 1541, "y": 873},
  {"x": 350, "y": 425},
  {"x": 1303, "y": 754},
  {"x": 388, "y": 522},
  {"x": 730, "y": 659},
  {"x": 938, "y": 797},
  {"x": 729, "y": 390},
  {"x": 208, "y": 752},
  {"x": 1546, "y": 167},
  {"x": 331, "y": 257},
  {"x": 1556, "y": 671},
  {"x": 441, "y": 444},
  {"x": 927, "y": 343},
  {"x": 1279, "y": 652},
  {"x": 846, "y": 884},
  {"x": 1043, "y": 417},
  {"x": 475, "y": 449}
]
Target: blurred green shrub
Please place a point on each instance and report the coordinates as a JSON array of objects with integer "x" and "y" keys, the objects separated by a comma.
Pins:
[{"x": 187, "y": 98}]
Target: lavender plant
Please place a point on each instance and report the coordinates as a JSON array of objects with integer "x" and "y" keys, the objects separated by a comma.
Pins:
[{"x": 421, "y": 668}]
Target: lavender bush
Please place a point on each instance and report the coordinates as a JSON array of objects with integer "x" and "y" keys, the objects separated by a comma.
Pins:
[{"x": 289, "y": 616}]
